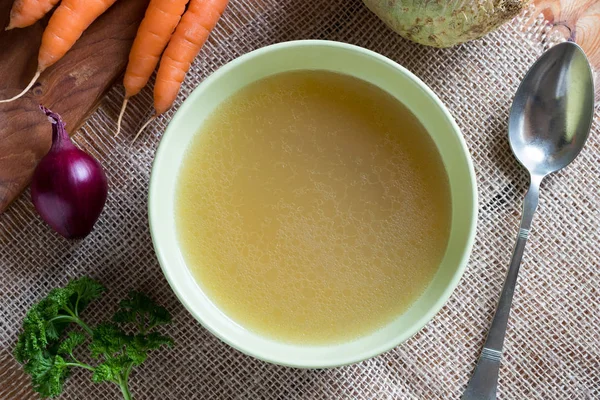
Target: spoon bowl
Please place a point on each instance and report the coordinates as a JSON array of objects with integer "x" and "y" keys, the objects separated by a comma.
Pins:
[{"x": 552, "y": 111}]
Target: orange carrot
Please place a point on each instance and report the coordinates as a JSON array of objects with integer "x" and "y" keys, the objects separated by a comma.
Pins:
[
  {"x": 189, "y": 37},
  {"x": 161, "y": 19},
  {"x": 27, "y": 12},
  {"x": 67, "y": 24}
]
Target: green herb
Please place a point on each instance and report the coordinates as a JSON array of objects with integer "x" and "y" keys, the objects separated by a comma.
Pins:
[{"x": 53, "y": 330}]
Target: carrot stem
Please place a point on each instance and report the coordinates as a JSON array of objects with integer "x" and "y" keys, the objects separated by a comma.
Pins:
[
  {"x": 143, "y": 127},
  {"x": 120, "y": 120},
  {"x": 33, "y": 81}
]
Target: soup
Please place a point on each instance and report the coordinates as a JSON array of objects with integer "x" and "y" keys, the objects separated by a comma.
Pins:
[{"x": 312, "y": 207}]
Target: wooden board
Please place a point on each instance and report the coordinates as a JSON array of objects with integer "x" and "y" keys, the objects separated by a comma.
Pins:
[{"x": 73, "y": 87}]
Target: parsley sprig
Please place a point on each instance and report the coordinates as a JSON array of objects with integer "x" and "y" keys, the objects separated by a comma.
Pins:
[{"x": 53, "y": 330}]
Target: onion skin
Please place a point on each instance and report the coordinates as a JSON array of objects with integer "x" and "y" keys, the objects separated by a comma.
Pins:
[
  {"x": 445, "y": 23},
  {"x": 69, "y": 187}
]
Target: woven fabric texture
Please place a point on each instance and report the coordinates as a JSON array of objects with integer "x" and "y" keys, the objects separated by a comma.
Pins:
[{"x": 552, "y": 348}]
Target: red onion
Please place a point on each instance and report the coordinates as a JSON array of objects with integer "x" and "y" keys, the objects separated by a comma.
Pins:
[{"x": 69, "y": 187}]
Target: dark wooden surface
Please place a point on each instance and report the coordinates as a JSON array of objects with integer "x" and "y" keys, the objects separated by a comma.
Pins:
[{"x": 72, "y": 87}]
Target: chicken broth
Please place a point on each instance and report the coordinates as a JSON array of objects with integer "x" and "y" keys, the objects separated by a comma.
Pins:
[{"x": 312, "y": 207}]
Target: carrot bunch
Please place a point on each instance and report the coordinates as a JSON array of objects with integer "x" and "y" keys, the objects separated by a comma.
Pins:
[
  {"x": 183, "y": 36},
  {"x": 168, "y": 28}
]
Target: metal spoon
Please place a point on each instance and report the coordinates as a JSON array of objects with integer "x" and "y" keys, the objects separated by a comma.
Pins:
[{"x": 549, "y": 123}]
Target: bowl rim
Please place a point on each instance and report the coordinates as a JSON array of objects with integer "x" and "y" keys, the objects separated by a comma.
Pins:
[{"x": 154, "y": 212}]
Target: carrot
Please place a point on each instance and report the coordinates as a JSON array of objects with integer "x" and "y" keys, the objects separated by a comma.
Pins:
[
  {"x": 65, "y": 27},
  {"x": 160, "y": 20},
  {"x": 189, "y": 37},
  {"x": 27, "y": 12}
]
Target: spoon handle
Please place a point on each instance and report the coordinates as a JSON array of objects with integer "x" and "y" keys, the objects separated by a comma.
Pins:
[{"x": 484, "y": 381}]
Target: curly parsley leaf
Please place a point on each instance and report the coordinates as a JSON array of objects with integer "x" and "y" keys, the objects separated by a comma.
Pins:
[
  {"x": 112, "y": 369},
  {"x": 141, "y": 310},
  {"x": 104, "y": 372},
  {"x": 68, "y": 345},
  {"x": 48, "y": 374},
  {"x": 107, "y": 340}
]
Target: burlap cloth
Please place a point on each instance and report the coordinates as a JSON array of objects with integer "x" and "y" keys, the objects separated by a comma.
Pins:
[{"x": 552, "y": 349}]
